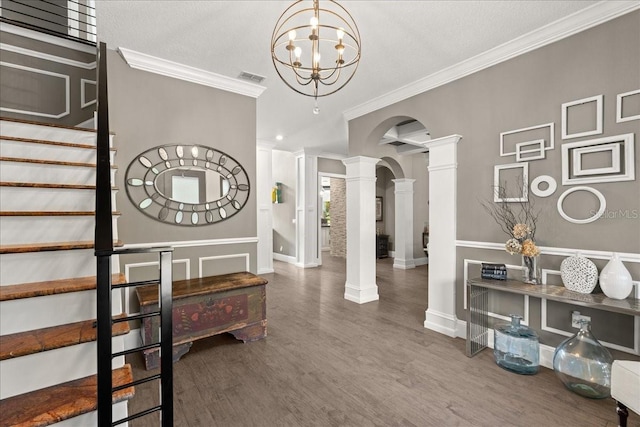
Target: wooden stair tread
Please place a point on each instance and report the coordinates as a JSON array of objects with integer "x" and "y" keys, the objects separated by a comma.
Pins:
[
  {"x": 53, "y": 287},
  {"x": 51, "y": 162},
  {"x": 48, "y": 142},
  {"x": 49, "y": 185},
  {"x": 54, "y": 246},
  {"x": 60, "y": 402},
  {"x": 53, "y": 125},
  {"x": 53, "y": 213},
  {"x": 39, "y": 340}
]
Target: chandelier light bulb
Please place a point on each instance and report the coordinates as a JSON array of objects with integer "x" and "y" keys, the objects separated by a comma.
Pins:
[
  {"x": 292, "y": 35},
  {"x": 340, "y": 34},
  {"x": 297, "y": 52},
  {"x": 313, "y": 22}
]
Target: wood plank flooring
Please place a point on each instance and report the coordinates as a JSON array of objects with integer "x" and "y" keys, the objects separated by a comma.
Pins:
[{"x": 330, "y": 362}]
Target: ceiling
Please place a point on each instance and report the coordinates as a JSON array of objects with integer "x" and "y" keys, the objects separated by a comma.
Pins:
[{"x": 402, "y": 42}]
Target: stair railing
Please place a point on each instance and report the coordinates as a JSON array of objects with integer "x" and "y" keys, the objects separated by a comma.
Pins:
[{"x": 104, "y": 251}]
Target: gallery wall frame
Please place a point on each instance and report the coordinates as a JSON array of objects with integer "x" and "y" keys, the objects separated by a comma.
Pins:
[
  {"x": 379, "y": 208},
  {"x": 552, "y": 185},
  {"x": 497, "y": 182},
  {"x": 625, "y": 166},
  {"x": 595, "y": 216},
  {"x": 549, "y": 145},
  {"x": 620, "y": 104},
  {"x": 524, "y": 154},
  {"x": 599, "y": 100}
]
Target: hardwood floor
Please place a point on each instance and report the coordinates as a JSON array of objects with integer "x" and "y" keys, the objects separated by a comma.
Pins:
[{"x": 330, "y": 362}]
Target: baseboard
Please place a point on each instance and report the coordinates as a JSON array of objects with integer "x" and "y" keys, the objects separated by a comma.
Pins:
[
  {"x": 308, "y": 265},
  {"x": 441, "y": 322},
  {"x": 361, "y": 295},
  {"x": 284, "y": 258},
  {"x": 265, "y": 270},
  {"x": 421, "y": 261}
]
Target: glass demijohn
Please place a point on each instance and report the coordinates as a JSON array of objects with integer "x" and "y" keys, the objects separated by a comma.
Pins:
[
  {"x": 516, "y": 347},
  {"x": 583, "y": 364}
]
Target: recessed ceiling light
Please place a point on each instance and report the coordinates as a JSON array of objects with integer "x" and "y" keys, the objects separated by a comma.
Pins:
[{"x": 279, "y": 137}]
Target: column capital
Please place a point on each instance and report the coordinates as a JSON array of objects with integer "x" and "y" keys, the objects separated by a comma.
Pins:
[
  {"x": 360, "y": 159},
  {"x": 445, "y": 140}
]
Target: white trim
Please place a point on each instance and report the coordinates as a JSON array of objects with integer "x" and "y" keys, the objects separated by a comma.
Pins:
[
  {"x": 551, "y": 182},
  {"x": 441, "y": 322},
  {"x": 48, "y": 73},
  {"x": 201, "y": 260},
  {"x": 619, "y": 118},
  {"x": 332, "y": 175},
  {"x": 83, "y": 95},
  {"x": 615, "y": 159},
  {"x": 194, "y": 243},
  {"x": 48, "y": 57},
  {"x": 525, "y": 182},
  {"x": 550, "y": 250},
  {"x": 36, "y": 35},
  {"x": 421, "y": 261},
  {"x": 552, "y": 138},
  {"x": 582, "y": 20},
  {"x": 595, "y": 216},
  {"x": 629, "y": 160},
  {"x": 266, "y": 270},
  {"x": 164, "y": 67},
  {"x": 599, "y": 109},
  {"x": 540, "y": 150},
  {"x": 284, "y": 258}
]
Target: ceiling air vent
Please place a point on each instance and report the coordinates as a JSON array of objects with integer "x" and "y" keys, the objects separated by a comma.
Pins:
[{"x": 254, "y": 78}]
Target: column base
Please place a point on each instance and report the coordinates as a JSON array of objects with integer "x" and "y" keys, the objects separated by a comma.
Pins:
[
  {"x": 441, "y": 322},
  {"x": 404, "y": 264},
  {"x": 359, "y": 295}
]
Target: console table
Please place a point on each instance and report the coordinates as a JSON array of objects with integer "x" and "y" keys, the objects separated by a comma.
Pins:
[
  {"x": 206, "y": 306},
  {"x": 382, "y": 245},
  {"x": 478, "y": 300}
]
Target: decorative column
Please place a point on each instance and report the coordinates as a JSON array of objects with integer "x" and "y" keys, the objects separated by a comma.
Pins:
[
  {"x": 306, "y": 209},
  {"x": 264, "y": 183},
  {"x": 361, "y": 284},
  {"x": 403, "y": 247},
  {"x": 440, "y": 316}
]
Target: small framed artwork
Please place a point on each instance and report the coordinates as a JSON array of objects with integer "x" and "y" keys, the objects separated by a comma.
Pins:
[{"x": 378, "y": 208}]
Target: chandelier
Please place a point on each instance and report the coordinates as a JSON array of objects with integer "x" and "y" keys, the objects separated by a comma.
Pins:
[{"x": 315, "y": 49}]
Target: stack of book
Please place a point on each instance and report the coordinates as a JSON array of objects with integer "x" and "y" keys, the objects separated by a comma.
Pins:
[{"x": 494, "y": 271}]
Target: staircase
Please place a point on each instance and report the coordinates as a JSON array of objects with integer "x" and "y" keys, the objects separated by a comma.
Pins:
[{"x": 48, "y": 304}]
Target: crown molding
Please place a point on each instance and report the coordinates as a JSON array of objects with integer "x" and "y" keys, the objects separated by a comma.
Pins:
[
  {"x": 582, "y": 20},
  {"x": 152, "y": 64}
]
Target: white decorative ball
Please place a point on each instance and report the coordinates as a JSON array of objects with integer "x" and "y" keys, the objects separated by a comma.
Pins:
[{"x": 579, "y": 274}]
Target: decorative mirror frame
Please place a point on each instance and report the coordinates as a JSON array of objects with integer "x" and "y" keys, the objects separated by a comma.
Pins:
[{"x": 142, "y": 190}]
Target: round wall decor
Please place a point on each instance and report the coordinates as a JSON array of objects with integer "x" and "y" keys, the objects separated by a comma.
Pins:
[
  {"x": 551, "y": 183},
  {"x": 595, "y": 216},
  {"x": 579, "y": 274}
]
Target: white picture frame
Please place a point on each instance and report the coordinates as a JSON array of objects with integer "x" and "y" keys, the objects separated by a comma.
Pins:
[
  {"x": 596, "y": 176},
  {"x": 525, "y": 182},
  {"x": 552, "y": 185},
  {"x": 619, "y": 101},
  {"x": 530, "y": 153},
  {"x": 551, "y": 142},
  {"x": 595, "y": 216},
  {"x": 577, "y": 154},
  {"x": 598, "y": 99}
]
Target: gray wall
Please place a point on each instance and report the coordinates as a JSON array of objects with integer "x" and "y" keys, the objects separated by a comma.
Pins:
[
  {"x": 149, "y": 110},
  {"x": 39, "y": 93},
  {"x": 331, "y": 166},
  {"x": 284, "y": 230},
  {"x": 525, "y": 91}
]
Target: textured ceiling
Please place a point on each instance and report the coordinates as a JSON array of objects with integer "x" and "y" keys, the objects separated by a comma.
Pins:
[{"x": 402, "y": 41}]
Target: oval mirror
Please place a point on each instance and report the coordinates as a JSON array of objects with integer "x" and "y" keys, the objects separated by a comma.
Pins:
[{"x": 169, "y": 187}]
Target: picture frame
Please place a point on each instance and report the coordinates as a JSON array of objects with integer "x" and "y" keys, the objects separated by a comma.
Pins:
[{"x": 378, "y": 208}]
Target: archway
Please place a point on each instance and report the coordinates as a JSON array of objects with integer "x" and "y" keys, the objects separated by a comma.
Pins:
[{"x": 365, "y": 144}]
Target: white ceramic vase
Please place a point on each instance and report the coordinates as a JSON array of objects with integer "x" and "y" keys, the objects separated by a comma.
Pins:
[{"x": 615, "y": 279}]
